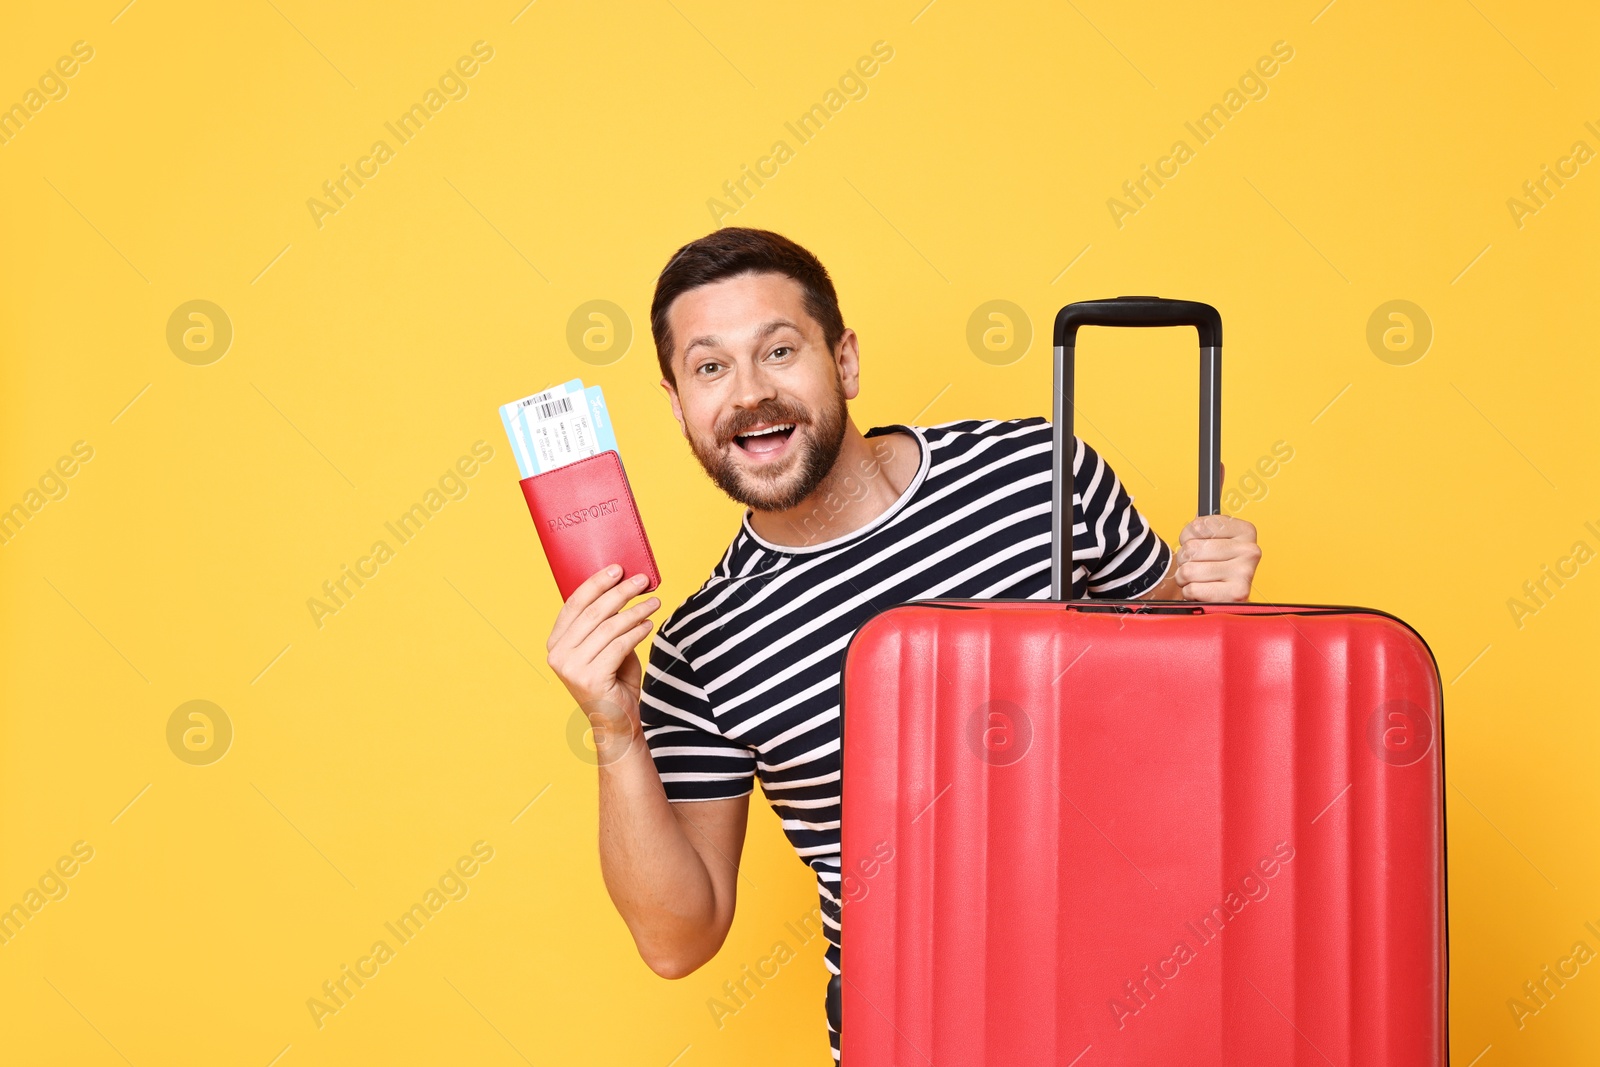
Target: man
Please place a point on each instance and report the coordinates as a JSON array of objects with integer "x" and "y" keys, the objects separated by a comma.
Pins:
[{"x": 743, "y": 678}]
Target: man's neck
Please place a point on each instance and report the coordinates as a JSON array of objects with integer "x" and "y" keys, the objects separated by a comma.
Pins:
[{"x": 866, "y": 480}]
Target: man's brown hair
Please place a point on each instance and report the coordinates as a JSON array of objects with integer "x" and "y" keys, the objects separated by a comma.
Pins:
[{"x": 732, "y": 251}]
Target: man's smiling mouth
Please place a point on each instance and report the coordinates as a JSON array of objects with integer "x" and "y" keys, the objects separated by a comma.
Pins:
[{"x": 765, "y": 440}]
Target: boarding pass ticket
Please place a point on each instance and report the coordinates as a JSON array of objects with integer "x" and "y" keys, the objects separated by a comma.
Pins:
[{"x": 557, "y": 426}]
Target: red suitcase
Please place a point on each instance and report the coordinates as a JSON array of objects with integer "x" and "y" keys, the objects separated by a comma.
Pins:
[{"x": 1142, "y": 832}]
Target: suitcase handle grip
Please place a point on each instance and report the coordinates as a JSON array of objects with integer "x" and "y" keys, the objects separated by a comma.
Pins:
[
  {"x": 1135, "y": 311},
  {"x": 1139, "y": 311}
]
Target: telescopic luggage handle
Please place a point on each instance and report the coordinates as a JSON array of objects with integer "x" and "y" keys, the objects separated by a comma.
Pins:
[{"x": 1129, "y": 311}]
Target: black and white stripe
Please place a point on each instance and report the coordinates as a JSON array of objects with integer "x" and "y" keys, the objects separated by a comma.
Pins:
[{"x": 743, "y": 679}]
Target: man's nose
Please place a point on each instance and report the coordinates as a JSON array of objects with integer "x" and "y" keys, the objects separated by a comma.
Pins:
[{"x": 752, "y": 385}]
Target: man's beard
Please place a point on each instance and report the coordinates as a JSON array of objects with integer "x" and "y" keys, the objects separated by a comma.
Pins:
[{"x": 814, "y": 448}]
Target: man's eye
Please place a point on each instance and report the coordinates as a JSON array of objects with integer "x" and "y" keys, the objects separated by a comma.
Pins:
[
  {"x": 702, "y": 367},
  {"x": 780, "y": 348}
]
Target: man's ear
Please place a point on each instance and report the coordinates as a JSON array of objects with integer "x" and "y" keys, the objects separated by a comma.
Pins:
[
  {"x": 848, "y": 364},
  {"x": 677, "y": 408}
]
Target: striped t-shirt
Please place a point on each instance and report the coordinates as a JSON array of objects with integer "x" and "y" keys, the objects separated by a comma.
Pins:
[{"x": 743, "y": 678}]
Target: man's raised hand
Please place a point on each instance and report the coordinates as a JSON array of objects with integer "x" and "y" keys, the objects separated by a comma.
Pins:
[{"x": 591, "y": 649}]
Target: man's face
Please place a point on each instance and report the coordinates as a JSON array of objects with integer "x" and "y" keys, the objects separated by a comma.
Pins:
[{"x": 748, "y": 358}]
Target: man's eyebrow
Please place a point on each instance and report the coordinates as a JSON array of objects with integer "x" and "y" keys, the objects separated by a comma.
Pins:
[{"x": 713, "y": 341}]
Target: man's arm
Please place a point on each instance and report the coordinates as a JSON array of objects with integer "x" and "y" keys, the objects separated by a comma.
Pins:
[{"x": 671, "y": 869}]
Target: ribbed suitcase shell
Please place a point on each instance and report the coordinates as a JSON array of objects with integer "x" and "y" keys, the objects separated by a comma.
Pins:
[{"x": 1065, "y": 791}]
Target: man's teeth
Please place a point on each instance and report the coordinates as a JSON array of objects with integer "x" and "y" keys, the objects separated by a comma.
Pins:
[{"x": 771, "y": 429}]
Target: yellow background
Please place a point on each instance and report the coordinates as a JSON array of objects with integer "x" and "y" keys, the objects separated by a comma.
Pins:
[{"x": 370, "y": 353}]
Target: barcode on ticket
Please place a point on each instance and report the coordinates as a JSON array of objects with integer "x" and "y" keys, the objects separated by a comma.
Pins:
[{"x": 549, "y": 409}]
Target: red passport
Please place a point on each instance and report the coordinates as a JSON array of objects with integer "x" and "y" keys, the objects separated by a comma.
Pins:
[{"x": 587, "y": 520}]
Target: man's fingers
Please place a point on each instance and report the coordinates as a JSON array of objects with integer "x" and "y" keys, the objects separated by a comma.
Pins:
[
  {"x": 581, "y": 598},
  {"x": 1206, "y": 548},
  {"x": 1231, "y": 592},
  {"x": 1202, "y": 571},
  {"x": 603, "y": 607},
  {"x": 589, "y": 649},
  {"x": 1215, "y": 548},
  {"x": 1203, "y": 527},
  {"x": 1217, "y": 558},
  {"x": 617, "y": 649}
]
